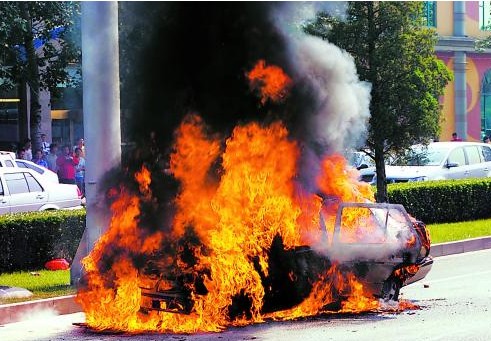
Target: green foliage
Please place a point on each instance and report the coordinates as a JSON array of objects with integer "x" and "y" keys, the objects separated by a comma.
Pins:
[
  {"x": 29, "y": 240},
  {"x": 395, "y": 53},
  {"x": 43, "y": 68},
  {"x": 444, "y": 201}
]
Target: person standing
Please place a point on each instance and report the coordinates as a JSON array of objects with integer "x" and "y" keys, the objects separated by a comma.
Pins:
[
  {"x": 52, "y": 156},
  {"x": 80, "y": 171},
  {"x": 44, "y": 145},
  {"x": 66, "y": 163},
  {"x": 28, "y": 150},
  {"x": 39, "y": 160},
  {"x": 81, "y": 145},
  {"x": 455, "y": 137}
]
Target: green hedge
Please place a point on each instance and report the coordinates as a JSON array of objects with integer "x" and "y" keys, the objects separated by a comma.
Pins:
[
  {"x": 29, "y": 240},
  {"x": 444, "y": 201}
]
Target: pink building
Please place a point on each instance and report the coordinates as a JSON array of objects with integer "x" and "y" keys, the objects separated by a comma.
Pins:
[{"x": 467, "y": 100}]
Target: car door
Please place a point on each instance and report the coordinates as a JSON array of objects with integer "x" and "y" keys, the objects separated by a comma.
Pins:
[
  {"x": 458, "y": 164},
  {"x": 477, "y": 167},
  {"x": 26, "y": 194},
  {"x": 4, "y": 199}
]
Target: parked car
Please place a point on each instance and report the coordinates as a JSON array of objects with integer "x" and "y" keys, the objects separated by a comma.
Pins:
[
  {"x": 441, "y": 161},
  {"x": 23, "y": 190},
  {"x": 8, "y": 159},
  {"x": 379, "y": 243}
]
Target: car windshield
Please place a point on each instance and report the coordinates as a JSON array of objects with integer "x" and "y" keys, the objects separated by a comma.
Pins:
[{"x": 422, "y": 156}]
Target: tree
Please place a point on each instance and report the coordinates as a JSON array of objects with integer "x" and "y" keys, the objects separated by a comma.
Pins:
[
  {"x": 394, "y": 51},
  {"x": 37, "y": 43}
]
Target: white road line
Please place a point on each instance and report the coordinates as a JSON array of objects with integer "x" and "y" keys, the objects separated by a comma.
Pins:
[{"x": 457, "y": 277}]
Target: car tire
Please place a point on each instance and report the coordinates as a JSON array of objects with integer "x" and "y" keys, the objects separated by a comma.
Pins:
[{"x": 390, "y": 289}]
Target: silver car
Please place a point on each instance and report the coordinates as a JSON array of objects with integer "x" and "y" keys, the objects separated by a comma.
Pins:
[
  {"x": 442, "y": 161},
  {"x": 24, "y": 190}
]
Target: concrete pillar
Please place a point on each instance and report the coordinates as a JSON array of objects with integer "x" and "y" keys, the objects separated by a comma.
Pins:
[
  {"x": 102, "y": 131},
  {"x": 459, "y": 18},
  {"x": 460, "y": 63},
  {"x": 459, "y": 72}
]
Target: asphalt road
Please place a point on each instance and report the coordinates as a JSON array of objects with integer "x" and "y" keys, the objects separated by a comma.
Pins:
[{"x": 455, "y": 301}]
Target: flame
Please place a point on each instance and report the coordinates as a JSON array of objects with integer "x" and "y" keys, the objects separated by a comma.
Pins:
[
  {"x": 271, "y": 81},
  {"x": 239, "y": 207}
]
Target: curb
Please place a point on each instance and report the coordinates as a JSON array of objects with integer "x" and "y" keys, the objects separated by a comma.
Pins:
[
  {"x": 16, "y": 312},
  {"x": 467, "y": 245}
]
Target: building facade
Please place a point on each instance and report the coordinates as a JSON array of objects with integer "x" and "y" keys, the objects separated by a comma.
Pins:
[{"x": 467, "y": 99}]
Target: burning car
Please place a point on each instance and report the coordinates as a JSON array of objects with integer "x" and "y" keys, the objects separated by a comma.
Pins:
[{"x": 387, "y": 251}]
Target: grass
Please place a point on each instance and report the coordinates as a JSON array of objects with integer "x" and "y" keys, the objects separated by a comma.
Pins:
[
  {"x": 449, "y": 232},
  {"x": 42, "y": 283},
  {"x": 45, "y": 283}
]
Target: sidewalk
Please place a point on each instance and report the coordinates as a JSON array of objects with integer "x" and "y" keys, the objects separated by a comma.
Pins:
[{"x": 15, "y": 312}]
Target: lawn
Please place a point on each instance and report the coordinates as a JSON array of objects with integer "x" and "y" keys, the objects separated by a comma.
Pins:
[
  {"x": 449, "y": 232},
  {"x": 42, "y": 283}
]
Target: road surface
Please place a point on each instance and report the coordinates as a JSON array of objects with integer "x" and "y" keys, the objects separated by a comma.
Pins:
[{"x": 455, "y": 301}]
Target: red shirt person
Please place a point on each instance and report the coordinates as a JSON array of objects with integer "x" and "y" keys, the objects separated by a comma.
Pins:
[{"x": 66, "y": 163}]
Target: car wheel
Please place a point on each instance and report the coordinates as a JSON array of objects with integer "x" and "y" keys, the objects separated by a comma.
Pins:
[{"x": 390, "y": 289}]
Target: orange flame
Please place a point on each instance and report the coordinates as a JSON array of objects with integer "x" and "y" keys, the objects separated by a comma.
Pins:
[
  {"x": 271, "y": 81},
  {"x": 236, "y": 196}
]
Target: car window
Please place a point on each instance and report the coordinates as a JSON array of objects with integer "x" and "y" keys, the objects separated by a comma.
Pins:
[
  {"x": 33, "y": 184},
  {"x": 9, "y": 163},
  {"x": 473, "y": 155},
  {"x": 486, "y": 152},
  {"x": 31, "y": 166},
  {"x": 421, "y": 156},
  {"x": 1, "y": 188},
  {"x": 457, "y": 156},
  {"x": 16, "y": 183}
]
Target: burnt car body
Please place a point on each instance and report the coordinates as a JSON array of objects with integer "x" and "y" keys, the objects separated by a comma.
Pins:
[{"x": 392, "y": 253}]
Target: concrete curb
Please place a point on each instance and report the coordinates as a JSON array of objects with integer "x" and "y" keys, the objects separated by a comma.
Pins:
[
  {"x": 467, "y": 245},
  {"x": 15, "y": 312}
]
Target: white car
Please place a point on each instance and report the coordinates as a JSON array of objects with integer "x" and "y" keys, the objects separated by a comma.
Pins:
[
  {"x": 8, "y": 159},
  {"x": 442, "y": 161},
  {"x": 24, "y": 190}
]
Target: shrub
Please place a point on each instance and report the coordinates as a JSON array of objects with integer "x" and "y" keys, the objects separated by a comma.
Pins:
[
  {"x": 444, "y": 201},
  {"x": 30, "y": 239}
]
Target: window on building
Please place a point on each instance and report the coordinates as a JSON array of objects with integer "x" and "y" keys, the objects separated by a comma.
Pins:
[
  {"x": 429, "y": 13},
  {"x": 484, "y": 15},
  {"x": 486, "y": 104}
]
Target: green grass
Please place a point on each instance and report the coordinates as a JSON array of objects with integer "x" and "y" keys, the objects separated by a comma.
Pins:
[
  {"x": 42, "y": 283},
  {"x": 449, "y": 232}
]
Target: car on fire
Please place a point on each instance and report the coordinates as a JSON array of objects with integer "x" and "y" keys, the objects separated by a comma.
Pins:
[{"x": 379, "y": 243}]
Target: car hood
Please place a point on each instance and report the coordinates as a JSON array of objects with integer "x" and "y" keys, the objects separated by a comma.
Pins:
[{"x": 410, "y": 172}]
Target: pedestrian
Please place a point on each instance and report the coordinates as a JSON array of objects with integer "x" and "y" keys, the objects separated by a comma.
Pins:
[
  {"x": 39, "y": 160},
  {"x": 81, "y": 145},
  {"x": 80, "y": 171},
  {"x": 66, "y": 163},
  {"x": 455, "y": 137},
  {"x": 52, "y": 156},
  {"x": 485, "y": 139},
  {"x": 21, "y": 153},
  {"x": 27, "y": 150},
  {"x": 44, "y": 145}
]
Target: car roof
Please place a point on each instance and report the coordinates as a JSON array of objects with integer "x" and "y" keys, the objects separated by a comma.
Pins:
[
  {"x": 451, "y": 144},
  {"x": 4, "y": 170}
]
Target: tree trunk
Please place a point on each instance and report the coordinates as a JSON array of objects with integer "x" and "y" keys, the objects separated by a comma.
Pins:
[
  {"x": 380, "y": 168},
  {"x": 33, "y": 78}
]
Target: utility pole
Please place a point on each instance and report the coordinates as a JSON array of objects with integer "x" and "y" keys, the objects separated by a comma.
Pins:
[{"x": 101, "y": 107}]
